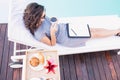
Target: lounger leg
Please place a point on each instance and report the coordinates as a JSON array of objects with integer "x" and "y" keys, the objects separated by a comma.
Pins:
[
  {"x": 118, "y": 52},
  {"x": 16, "y": 58},
  {"x": 23, "y": 65},
  {"x": 17, "y": 51},
  {"x": 16, "y": 63},
  {"x": 14, "y": 53}
]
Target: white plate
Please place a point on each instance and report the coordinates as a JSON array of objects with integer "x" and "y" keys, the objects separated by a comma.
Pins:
[
  {"x": 35, "y": 79},
  {"x": 40, "y": 66}
]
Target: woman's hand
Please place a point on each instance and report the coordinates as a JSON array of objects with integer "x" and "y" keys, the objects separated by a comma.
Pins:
[
  {"x": 53, "y": 27},
  {"x": 52, "y": 40}
]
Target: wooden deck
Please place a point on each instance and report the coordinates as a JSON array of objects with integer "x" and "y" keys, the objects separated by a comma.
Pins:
[{"x": 90, "y": 66}]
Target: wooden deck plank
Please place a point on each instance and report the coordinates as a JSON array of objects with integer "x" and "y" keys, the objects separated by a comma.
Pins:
[
  {"x": 2, "y": 40},
  {"x": 100, "y": 66},
  {"x": 61, "y": 67},
  {"x": 106, "y": 67},
  {"x": 111, "y": 66},
  {"x": 95, "y": 66},
  {"x": 118, "y": 59},
  {"x": 116, "y": 64},
  {"x": 22, "y": 47},
  {"x": 78, "y": 67},
  {"x": 72, "y": 67},
  {"x": 90, "y": 66},
  {"x": 16, "y": 74},
  {"x": 5, "y": 56},
  {"x": 66, "y": 68},
  {"x": 84, "y": 66},
  {"x": 10, "y": 70}
]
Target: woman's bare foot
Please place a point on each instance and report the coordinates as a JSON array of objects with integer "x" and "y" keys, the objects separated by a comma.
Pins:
[{"x": 118, "y": 34}]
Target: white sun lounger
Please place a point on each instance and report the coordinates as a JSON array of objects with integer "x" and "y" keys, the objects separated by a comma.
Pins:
[{"x": 19, "y": 34}]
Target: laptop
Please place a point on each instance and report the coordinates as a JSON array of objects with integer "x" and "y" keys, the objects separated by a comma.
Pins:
[{"x": 78, "y": 30}]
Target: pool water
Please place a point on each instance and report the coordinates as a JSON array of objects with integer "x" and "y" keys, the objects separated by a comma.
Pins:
[{"x": 74, "y": 8}]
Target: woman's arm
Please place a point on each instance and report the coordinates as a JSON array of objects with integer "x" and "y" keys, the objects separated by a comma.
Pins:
[
  {"x": 52, "y": 33},
  {"x": 51, "y": 41}
]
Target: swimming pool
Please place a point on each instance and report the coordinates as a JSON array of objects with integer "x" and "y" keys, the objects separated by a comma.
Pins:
[{"x": 73, "y": 8}]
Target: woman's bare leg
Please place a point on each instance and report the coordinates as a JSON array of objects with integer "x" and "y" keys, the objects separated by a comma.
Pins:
[{"x": 101, "y": 32}]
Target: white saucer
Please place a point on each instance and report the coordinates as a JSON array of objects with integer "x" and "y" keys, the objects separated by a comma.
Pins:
[
  {"x": 38, "y": 78},
  {"x": 40, "y": 66}
]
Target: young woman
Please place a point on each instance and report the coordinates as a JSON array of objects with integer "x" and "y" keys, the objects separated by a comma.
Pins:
[{"x": 43, "y": 30}]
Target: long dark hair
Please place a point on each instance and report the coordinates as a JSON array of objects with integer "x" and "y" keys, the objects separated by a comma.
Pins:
[{"x": 32, "y": 15}]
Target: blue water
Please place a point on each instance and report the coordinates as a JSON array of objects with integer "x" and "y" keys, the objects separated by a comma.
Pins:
[{"x": 73, "y": 8}]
